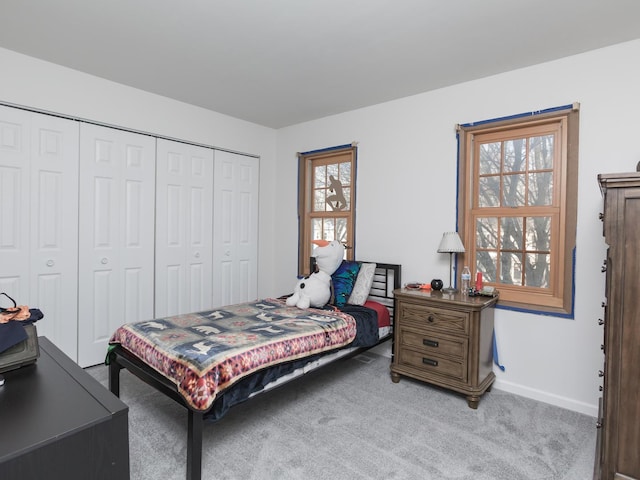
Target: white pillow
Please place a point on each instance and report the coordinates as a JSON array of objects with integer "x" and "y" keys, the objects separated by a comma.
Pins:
[{"x": 363, "y": 284}]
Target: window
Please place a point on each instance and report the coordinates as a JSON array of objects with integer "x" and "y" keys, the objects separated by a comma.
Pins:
[
  {"x": 326, "y": 205},
  {"x": 517, "y": 199}
]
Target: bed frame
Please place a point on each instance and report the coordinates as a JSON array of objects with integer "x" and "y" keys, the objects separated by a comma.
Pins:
[{"x": 386, "y": 279}]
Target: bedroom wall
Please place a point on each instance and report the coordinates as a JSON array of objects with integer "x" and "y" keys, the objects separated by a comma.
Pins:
[
  {"x": 406, "y": 189},
  {"x": 32, "y": 83}
]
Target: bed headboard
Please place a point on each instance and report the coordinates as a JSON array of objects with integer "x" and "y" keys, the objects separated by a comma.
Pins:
[{"x": 386, "y": 279}]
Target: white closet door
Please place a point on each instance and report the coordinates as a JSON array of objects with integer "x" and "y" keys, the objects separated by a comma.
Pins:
[
  {"x": 184, "y": 199},
  {"x": 117, "y": 192},
  {"x": 39, "y": 219},
  {"x": 235, "y": 230}
]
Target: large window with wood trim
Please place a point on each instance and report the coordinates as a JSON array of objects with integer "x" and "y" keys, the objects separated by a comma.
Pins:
[
  {"x": 518, "y": 207},
  {"x": 326, "y": 204}
]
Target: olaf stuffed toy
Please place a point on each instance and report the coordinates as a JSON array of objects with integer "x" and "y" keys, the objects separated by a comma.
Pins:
[{"x": 315, "y": 289}]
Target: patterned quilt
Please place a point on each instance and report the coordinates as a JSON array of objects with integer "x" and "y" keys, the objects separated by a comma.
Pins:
[{"x": 204, "y": 353}]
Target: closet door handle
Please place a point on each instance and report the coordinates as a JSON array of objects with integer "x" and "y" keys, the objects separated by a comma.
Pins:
[
  {"x": 429, "y": 343},
  {"x": 104, "y": 260},
  {"x": 50, "y": 263}
]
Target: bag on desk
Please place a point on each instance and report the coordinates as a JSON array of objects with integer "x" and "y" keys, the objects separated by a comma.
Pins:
[
  {"x": 18, "y": 336},
  {"x": 23, "y": 353}
]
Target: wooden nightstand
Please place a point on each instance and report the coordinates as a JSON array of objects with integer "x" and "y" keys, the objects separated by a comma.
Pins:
[{"x": 446, "y": 340}]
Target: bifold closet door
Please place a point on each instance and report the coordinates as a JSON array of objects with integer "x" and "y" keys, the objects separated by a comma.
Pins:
[
  {"x": 39, "y": 219},
  {"x": 184, "y": 203},
  {"x": 116, "y": 249},
  {"x": 235, "y": 229}
]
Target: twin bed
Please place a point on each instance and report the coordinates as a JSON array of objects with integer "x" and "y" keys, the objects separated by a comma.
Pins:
[{"x": 210, "y": 361}]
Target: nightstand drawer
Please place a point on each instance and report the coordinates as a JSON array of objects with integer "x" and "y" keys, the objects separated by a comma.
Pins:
[
  {"x": 433, "y": 364},
  {"x": 431, "y": 343},
  {"x": 448, "y": 321}
]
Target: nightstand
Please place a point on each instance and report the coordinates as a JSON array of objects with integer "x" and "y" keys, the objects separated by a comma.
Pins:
[{"x": 445, "y": 340}]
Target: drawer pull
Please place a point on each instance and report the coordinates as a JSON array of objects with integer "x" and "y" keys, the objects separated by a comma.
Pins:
[
  {"x": 428, "y": 361},
  {"x": 430, "y": 319},
  {"x": 429, "y": 343}
]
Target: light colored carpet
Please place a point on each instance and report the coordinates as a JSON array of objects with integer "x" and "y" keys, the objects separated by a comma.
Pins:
[{"x": 349, "y": 421}]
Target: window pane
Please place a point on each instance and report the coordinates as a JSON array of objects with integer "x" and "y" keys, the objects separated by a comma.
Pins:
[
  {"x": 511, "y": 268},
  {"x": 540, "y": 188},
  {"x": 319, "y": 204},
  {"x": 537, "y": 270},
  {"x": 320, "y": 176},
  {"x": 328, "y": 229},
  {"x": 490, "y": 158},
  {"x": 347, "y": 198},
  {"x": 515, "y": 154},
  {"x": 345, "y": 173},
  {"x": 541, "y": 152},
  {"x": 513, "y": 191},
  {"x": 332, "y": 170},
  {"x": 538, "y": 234},
  {"x": 486, "y": 262},
  {"x": 341, "y": 230},
  {"x": 487, "y": 233},
  {"x": 511, "y": 233},
  {"x": 489, "y": 191},
  {"x": 316, "y": 229}
]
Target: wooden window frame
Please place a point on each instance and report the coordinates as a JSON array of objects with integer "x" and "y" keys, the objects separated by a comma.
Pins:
[
  {"x": 558, "y": 299},
  {"x": 306, "y": 163}
]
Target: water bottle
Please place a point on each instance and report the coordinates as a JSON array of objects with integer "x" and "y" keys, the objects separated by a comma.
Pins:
[{"x": 466, "y": 280}]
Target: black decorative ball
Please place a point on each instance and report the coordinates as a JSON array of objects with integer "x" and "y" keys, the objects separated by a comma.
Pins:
[{"x": 436, "y": 284}]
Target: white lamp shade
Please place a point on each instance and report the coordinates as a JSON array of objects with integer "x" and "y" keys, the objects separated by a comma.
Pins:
[{"x": 451, "y": 243}]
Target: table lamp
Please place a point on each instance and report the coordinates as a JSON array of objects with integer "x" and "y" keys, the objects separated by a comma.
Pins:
[{"x": 450, "y": 244}]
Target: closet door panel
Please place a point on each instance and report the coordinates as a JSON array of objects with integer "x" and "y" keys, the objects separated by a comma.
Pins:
[
  {"x": 39, "y": 219},
  {"x": 183, "y": 228},
  {"x": 236, "y": 181},
  {"x": 117, "y": 236},
  {"x": 15, "y": 153},
  {"x": 54, "y": 228}
]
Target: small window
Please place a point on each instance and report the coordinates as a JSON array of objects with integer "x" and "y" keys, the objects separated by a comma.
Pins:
[
  {"x": 517, "y": 202},
  {"x": 326, "y": 204}
]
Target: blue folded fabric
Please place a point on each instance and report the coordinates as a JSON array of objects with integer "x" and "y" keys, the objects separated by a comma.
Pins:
[{"x": 11, "y": 334}]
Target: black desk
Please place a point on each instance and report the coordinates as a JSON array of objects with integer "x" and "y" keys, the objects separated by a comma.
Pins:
[{"x": 58, "y": 422}]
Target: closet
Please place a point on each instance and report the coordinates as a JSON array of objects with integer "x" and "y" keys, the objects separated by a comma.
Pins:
[{"x": 100, "y": 226}]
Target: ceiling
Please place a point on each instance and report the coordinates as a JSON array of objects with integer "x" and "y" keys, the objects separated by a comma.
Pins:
[{"x": 283, "y": 62}]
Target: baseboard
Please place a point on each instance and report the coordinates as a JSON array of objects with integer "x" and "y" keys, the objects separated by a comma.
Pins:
[{"x": 546, "y": 397}]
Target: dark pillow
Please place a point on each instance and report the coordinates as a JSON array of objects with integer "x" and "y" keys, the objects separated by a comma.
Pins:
[{"x": 343, "y": 279}]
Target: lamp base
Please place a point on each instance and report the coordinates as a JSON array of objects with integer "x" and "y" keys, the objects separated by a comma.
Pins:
[{"x": 449, "y": 290}]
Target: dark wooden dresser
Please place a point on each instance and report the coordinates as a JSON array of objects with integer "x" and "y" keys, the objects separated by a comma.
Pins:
[
  {"x": 58, "y": 422},
  {"x": 618, "y": 445},
  {"x": 446, "y": 340}
]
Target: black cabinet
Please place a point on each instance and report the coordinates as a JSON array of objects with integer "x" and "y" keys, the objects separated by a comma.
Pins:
[{"x": 58, "y": 422}]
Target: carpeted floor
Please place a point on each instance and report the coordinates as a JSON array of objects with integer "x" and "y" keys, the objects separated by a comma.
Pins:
[{"x": 349, "y": 421}]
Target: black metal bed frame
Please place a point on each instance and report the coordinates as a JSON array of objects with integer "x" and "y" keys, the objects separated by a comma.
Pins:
[{"x": 386, "y": 279}]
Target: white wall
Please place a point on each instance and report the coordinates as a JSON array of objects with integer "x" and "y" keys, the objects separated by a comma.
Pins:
[
  {"x": 407, "y": 197},
  {"x": 32, "y": 83}
]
